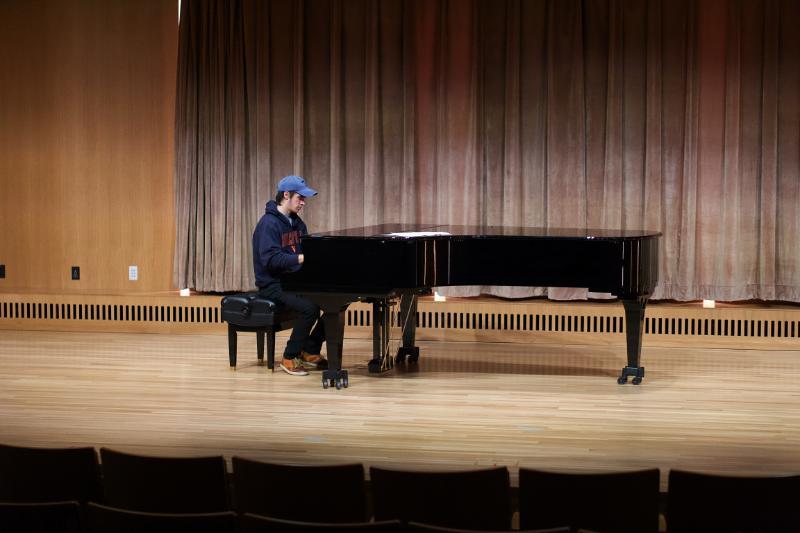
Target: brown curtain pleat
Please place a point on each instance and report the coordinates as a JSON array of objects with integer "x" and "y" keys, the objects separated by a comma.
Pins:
[
  {"x": 680, "y": 116},
  {"x": 214, "y": 139}
]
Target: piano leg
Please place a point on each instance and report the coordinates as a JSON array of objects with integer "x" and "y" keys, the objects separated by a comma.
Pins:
[
  {"x": 381, "y": 362},
  {"x": 634, "y": 329},
  {"x": 408, "y": 322},
  {"x": 333, "y": 316}
]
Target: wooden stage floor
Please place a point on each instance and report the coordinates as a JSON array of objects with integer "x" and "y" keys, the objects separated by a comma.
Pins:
[{"x": 468, "y": 405}]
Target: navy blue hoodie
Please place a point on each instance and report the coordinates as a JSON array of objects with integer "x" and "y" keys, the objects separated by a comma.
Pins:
[{"x": 276, "y": 245}]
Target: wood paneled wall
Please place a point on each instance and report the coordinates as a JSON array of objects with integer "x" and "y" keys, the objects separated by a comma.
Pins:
[{"x": 87, "y": 96}]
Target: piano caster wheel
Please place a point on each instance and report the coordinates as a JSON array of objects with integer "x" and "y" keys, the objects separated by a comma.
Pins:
[
  {"x": 335, "y": 378},
  {"x": 411, "y": 354},
  {"x": 636, "y": 373}
]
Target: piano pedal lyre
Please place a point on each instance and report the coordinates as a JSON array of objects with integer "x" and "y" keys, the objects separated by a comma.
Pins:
[{"x": 381, "y": 360}]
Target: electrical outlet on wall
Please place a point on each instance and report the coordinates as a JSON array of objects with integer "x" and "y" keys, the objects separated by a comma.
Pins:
[
  {"x": 2, "y": 271},
  {"x": 76, "y": 272},
  {"x": 133, "y": 273}
]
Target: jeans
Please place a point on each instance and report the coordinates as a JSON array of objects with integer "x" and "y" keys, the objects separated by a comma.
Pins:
[{"x": 307, "y": 316}]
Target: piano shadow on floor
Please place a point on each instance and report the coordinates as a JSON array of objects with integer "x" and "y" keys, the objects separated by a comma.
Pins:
[{"x": 497, "y": 358}]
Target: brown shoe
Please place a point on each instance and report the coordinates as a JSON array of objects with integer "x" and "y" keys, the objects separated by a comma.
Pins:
[
  {"x": 294, "y": 367},
  {"x": 314, "y": 361}
]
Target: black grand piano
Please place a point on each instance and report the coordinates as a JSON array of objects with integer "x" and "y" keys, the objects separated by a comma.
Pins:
[{"x": 390, "y": 262}]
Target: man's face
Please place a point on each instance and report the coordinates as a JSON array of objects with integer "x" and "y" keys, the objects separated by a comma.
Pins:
[{"x": 295, "y": 203}]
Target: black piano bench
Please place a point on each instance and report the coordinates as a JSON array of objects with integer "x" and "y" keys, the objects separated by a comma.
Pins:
[{"x": 247, "y": 311}]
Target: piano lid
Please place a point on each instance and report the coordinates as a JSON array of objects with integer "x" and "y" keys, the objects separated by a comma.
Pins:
[{"x": 396, "y": 231}]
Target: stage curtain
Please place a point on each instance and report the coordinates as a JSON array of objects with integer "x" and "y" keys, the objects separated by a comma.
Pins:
[{"x": 677, "y": 116}]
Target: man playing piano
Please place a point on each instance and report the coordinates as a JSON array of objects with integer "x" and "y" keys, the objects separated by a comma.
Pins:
[{"x": 276, "y": 250}]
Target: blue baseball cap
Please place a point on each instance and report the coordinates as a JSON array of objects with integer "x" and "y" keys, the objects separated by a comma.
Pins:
[{"x": 295, "y": 184}]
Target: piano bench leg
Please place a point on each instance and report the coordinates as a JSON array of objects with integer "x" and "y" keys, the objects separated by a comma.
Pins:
[
  {"x": 260, "y": 346},
  {"x": 232, "y": 346},
  {"x": 636, "y": 372},
  {"x": 271, "y": 349}
]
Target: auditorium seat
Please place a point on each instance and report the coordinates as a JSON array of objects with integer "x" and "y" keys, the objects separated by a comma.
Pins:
[
  {"x": 477, "y": 499},
  {"x": 414, "y": 526},
  {"x": 48, "y": 474},
  {"x": 40, "y": 517},
  {"x": 708, "y": 502},
  {"x": 104, "y": 519},
  {"x": 608, "y": 502},
  {"x": 164, "y": 484},
  {"x": 250, "y": 523},
  {"x": 273, "y": 490}
]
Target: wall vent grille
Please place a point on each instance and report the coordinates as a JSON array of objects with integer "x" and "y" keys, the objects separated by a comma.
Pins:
[
  {"x": 610, "y": 322},
  {"x": 109, "y": 312},
  {"x": 475, "y": 319}
]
